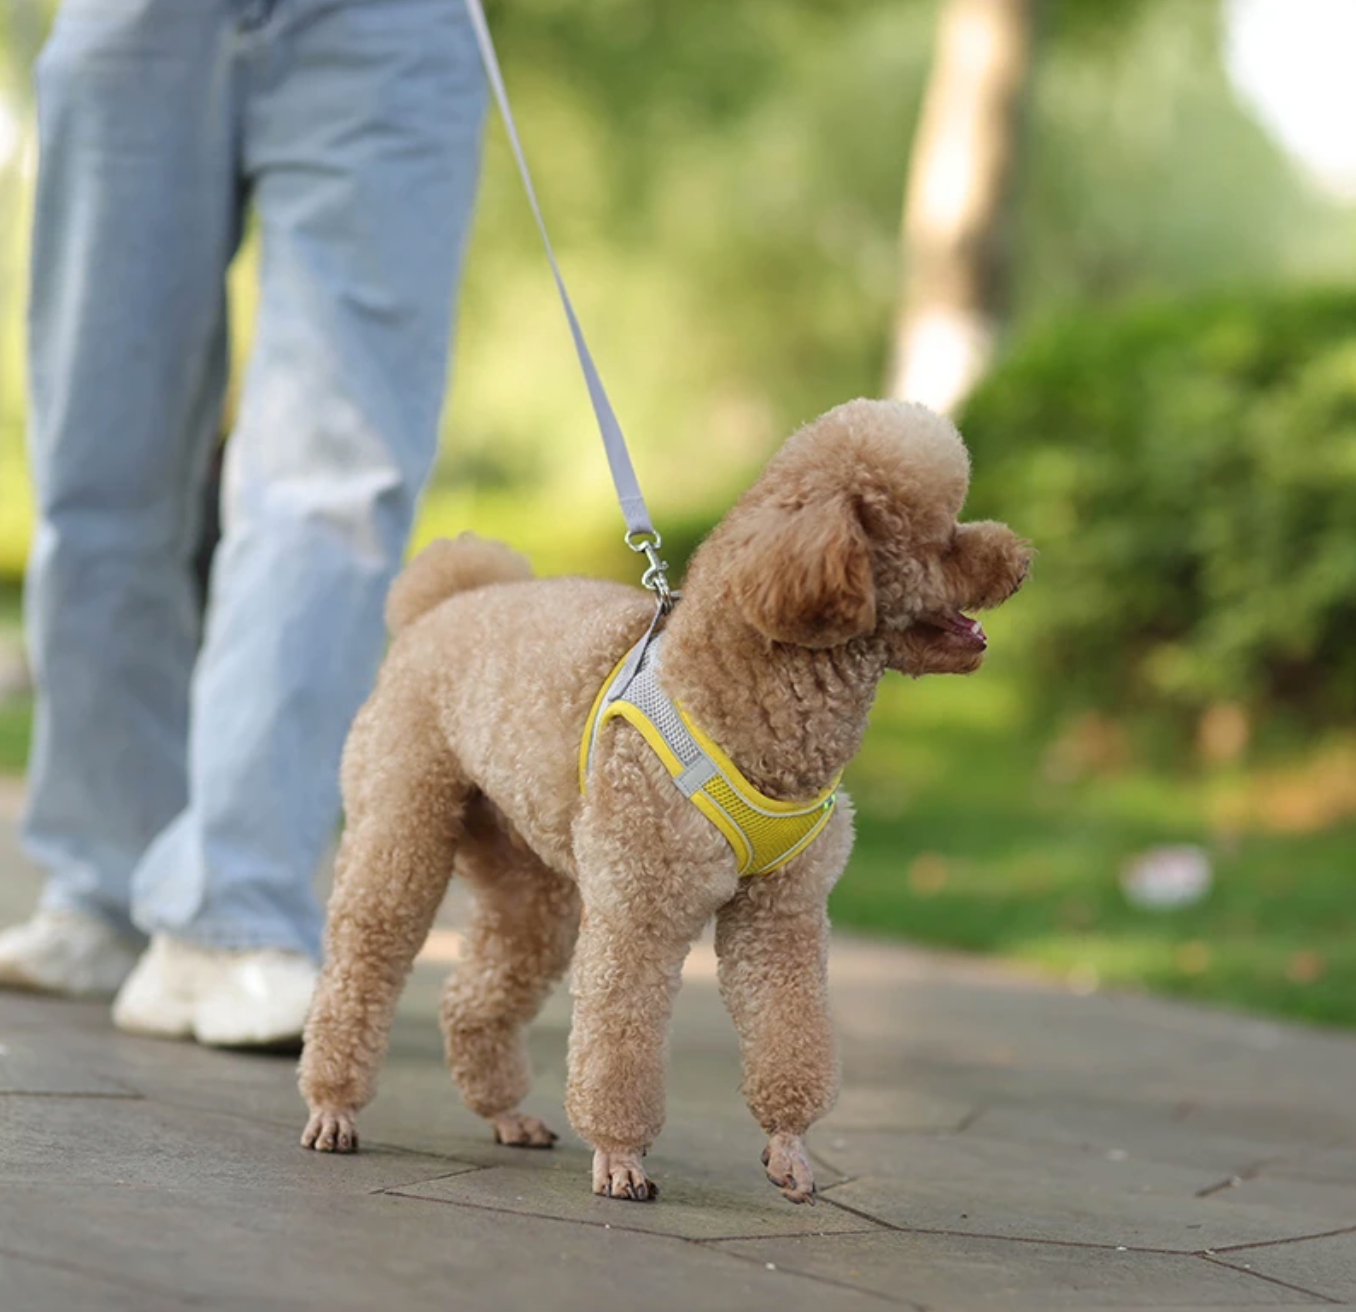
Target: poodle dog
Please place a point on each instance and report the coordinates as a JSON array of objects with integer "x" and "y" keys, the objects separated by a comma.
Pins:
[{"x": 844, "y": 560}]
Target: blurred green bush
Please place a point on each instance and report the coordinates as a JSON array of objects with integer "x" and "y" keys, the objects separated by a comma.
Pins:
[{"x": 1188, "y": 472}]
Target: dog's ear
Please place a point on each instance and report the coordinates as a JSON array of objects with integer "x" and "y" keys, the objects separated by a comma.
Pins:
[{"x": 802, "y": 574}]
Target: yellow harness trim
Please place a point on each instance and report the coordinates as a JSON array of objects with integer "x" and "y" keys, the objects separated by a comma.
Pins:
[{"x": 763, "y": 832}]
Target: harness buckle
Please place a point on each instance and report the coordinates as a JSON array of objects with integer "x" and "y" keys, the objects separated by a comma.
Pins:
[{"x": 656, "y": 576}]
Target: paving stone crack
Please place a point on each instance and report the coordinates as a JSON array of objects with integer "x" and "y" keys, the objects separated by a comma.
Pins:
[
  {"x": 427, "y": 1179},
  {"x": 277, "y": 1124},
  {"x": 1276, "y": 1243},
  {"x": 396, "y": 1192},
  {"x": 1010, "y": 1239},
  {"x": 683, "y": 1239},
  {"x": 788, "y": 1234},
  {"x": 1271, "y": 1280}
]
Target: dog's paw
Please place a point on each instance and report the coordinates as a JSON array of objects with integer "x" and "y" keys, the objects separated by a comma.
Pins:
[
  {"x": 519, "y": 1131},
  {"x": 620, "y": 1175},
  {"x": 330, "y": 1131},
  {"x": 788, "y": 1167}
]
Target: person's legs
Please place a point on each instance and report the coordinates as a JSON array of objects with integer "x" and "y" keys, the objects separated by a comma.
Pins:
[
  {"x": 361, "y": 139},
  {"x": 136, "y": 222}
]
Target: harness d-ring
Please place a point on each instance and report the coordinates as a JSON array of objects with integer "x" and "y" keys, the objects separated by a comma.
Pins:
[{"x": 656, "y": 577}]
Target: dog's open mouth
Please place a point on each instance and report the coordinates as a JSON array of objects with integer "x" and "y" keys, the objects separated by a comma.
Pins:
[{"x": 959, "y": 628}]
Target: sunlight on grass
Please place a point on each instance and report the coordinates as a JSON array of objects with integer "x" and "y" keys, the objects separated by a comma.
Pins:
[{"x": 967, "y": 838}]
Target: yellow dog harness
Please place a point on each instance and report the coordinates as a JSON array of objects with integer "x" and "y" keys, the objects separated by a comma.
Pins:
[{"x": 763, "y": 832}]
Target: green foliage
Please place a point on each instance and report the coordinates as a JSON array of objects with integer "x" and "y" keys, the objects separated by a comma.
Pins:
[
  {"x": 966, "y": 839},
  {"x": 723, "y": 184},
  {"x": 16, "y": 712},
  {"x": 1189, "y": 475},
  {"x": 1142, "y": 177},
  {"x": 16, "y": 718}
]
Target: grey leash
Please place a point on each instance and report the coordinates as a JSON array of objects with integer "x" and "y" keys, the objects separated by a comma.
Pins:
[{"x": 641, "y": 535}]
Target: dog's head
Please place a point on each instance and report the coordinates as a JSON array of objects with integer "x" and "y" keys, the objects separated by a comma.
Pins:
[{"x": 852, "y": 531}]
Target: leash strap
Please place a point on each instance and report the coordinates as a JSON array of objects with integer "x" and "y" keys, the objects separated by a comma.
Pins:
[{"x": 638, "y": 526}]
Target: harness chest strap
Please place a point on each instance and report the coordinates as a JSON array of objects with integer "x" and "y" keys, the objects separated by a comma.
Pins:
[{"x": 764, "y": 832}]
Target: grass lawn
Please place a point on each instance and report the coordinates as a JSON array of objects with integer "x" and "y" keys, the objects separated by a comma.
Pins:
[
  {"x": 965, "y": 840},
  {"x": 11, "y": 607},
  {"x": 15, "y": 717},
  {"x": 15, "y": 713}
]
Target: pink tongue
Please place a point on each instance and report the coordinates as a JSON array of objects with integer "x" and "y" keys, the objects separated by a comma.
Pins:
[{"x": 972, "y": 628}]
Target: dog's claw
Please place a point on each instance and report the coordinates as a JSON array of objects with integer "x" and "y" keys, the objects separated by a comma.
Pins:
[
  {"x": 788, "y": 1168},
  {"x": 620, "y": 1175},
  {"x": 514, "y": 1130},
  {"x": 330, "y": 1132}
]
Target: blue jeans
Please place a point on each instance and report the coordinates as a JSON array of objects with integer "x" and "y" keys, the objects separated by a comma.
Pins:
[{"x": 184, "y": 773}]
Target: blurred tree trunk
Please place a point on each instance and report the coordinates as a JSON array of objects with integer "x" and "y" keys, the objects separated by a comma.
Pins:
[{"x": 956, "y": 200}]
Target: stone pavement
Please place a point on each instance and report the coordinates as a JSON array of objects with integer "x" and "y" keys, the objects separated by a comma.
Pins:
[{"x": 1000, "y": 1143}]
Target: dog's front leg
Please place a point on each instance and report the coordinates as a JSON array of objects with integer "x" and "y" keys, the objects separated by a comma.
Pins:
[
  {"x": 772, "y": 943},
  {"x": 652, "y": 874},
  {"x": 625, "y": 978}
]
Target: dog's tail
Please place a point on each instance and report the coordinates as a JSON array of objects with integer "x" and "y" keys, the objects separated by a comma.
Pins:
[{"x": 447, "y": 566}]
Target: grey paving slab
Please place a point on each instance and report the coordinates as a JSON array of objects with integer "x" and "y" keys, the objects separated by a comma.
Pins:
[
  {"x": 142, "y": 1144},
  {"x": 942, "y": 1272},
  {"x": 978, "y": 1032},
  {"x": 30, "y": 1286},
  {"x": 994, "y": 1187},
  {"x": 1121, "y": 1128},
  {"x": 26, "y": 1068},
  {"x": 416, "y": 1101},
  {"x": 261, "y": 1249},
  {"x": 1327, "y": 1265},
  {"x": 1336, "y": 1165},
  {"x": 1311, "y": 1123},
  {"x": 896, "y": 1106},
  {"x": 1334, "y": 1201}
]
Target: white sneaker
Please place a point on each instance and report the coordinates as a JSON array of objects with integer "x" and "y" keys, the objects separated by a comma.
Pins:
[
  {"x": 257, "y": 998},
  {"x": 66, "y": 952},
  {"x": 159, "y": 994}
]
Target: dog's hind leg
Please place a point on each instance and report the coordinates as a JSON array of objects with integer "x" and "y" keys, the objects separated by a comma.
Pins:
[
  {"x": 522, "y": 932},
  {"x": 404, "y": 798}
]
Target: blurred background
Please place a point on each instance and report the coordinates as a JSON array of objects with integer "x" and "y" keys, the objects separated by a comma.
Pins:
[{"x": 1116, "y": 238}]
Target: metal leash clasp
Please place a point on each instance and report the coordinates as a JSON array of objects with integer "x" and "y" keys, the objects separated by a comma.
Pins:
[{"x": 656, "y": 576}]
